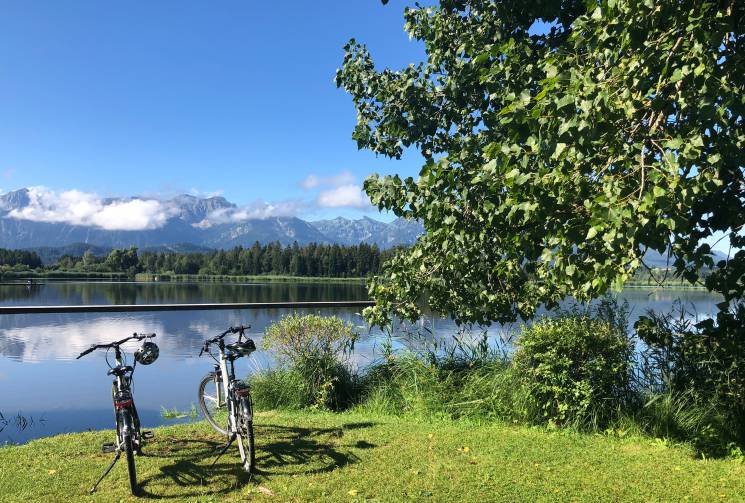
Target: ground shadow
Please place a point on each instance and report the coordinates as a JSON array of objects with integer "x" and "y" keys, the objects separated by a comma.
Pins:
[{"x": 288, "y": 451}]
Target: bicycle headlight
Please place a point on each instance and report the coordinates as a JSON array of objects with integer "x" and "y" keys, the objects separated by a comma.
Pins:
[{"x": 147, "y": 354}]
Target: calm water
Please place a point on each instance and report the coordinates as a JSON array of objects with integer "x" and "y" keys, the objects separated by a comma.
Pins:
[{"x": 44, "y": 390}]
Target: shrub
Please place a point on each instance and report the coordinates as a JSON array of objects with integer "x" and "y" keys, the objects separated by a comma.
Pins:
[
  {"x": 317, "y": 350},
  {"x": 705, "y": 362},
  {"x": 575, "y": 369},
  {"x": 280, "y": 388}
]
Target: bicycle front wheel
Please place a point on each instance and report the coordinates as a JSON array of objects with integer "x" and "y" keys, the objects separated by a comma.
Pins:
[
  {"x": 213, "y": 404},
  {"x": 246, "y": 435}
]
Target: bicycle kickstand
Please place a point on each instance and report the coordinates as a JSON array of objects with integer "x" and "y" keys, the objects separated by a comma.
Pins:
[
  {"x": 224, "y": 449},
  {"x": 113, "y": 462}
]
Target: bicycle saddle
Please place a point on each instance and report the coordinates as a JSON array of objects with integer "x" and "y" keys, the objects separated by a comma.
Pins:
[{"x": 119, "y": 370}]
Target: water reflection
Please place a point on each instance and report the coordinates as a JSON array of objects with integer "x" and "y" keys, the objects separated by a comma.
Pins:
[
  {"x": 40, "y": 378},
  {"x": 71, "y": 293}
]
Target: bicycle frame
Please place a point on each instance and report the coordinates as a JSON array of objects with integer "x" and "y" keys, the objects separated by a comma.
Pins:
[
  {"x": 231, "y": 394},
  {"x": 227, "y": 377},
  {"x": 123, "y": 384}
]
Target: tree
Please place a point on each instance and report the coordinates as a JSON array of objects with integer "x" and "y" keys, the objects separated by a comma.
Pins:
[
  {"x": 123, "y": 261},
  {"x": 562, "y": 139}
]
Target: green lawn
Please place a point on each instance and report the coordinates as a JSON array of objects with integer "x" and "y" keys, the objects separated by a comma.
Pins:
[{"x": 354, "y": 457}]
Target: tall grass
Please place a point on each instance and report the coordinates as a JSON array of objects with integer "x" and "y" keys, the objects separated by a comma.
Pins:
[{"x": 573, "y": 371}]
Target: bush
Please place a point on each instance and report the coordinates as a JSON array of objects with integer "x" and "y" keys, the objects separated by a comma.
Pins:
[
  {"x": 316, "y": 350},
  {"x": 467, "y": 383},
  {"x": 703, "y": 361},
  {"x": 575, "y": 369},
  {"x": 279, "y": 388}
]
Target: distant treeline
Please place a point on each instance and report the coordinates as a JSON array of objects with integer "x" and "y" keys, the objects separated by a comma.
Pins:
[
  {"x": 19, "y": 259},
  {"x": 313, "y": 260}
]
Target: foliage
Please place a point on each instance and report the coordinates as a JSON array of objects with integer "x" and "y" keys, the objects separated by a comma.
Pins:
[
  {"x": 575, "y": 368},
  {"x": 175, "y": 413},
  {"x": 29, "y": 259},
  {"x": 682, "y": 416},
  {"x": 280, "y": 388},
  {"x": 120, "y": 260},
  {"x": 562, "y": 139},
  {"x": 316, "y": 348},
  {"x": 414, "y": 386},
  {"x": 312, "y": 260},
  {"x": 704, "y": 363}
]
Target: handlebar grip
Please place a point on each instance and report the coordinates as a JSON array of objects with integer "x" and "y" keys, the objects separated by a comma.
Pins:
[
  {"x": 144, "y": 336},
  {"x": 89, "y": 350}
]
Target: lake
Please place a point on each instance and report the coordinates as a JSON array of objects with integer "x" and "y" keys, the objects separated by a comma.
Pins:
[{"x": 44, "y": 390}]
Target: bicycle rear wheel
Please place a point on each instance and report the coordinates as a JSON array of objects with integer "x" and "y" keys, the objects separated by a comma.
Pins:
[
  {"x": 246, "y": 434},
  {"x": 213, "y": 404},
  {"x": 127, "y": 434}
]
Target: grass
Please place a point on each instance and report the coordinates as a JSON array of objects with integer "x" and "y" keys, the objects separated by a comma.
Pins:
[
  {"x": 174, "y": 413},
  {"x": 312, "y": 456}
]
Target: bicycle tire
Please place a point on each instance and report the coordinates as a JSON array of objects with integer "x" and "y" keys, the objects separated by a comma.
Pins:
[
  {"x": 246, "y": 435},
  {"x": 129, "y": 451},
  {"x": 209, "y": 403}
]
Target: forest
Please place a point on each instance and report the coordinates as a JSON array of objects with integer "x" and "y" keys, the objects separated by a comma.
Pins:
[{"x": 312, "y": 260}]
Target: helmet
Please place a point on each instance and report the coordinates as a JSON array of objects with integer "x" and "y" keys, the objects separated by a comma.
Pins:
[
  {"x": 147, "y": 354},
  {"x": 244, "y": 348}
]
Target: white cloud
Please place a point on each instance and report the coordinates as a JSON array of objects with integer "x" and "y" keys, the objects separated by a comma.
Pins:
[
  {"x": 310, "y": 182},
  {"x": 343, "y": 178},
  {"x": 350, "y": 196},
  {"x": 258, "y": 209},
  {"x": 199, "y": 193},
  {"x": 75, "y": 207}
]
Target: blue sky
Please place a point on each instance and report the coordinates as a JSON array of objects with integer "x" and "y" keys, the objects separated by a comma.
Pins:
[{"x": 161, "y": 98}]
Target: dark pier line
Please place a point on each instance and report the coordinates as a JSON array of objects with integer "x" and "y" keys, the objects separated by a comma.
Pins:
[{"x": 130, "y": 308}]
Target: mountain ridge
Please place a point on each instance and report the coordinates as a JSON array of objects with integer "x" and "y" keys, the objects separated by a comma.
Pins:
[{"x": 188, "y": 220}]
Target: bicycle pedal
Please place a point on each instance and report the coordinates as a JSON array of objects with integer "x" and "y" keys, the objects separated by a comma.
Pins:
[
  {"x": 106, "y": 448},
  {"x": 148, "y": 435}
]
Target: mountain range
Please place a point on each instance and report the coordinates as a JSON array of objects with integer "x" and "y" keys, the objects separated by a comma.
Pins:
[
  {"x": 197, "y": 224},
  {"x": 188, "y": 224}
]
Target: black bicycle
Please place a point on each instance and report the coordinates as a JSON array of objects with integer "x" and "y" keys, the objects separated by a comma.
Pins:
[
  {"x": 226, "y": 401},
  {"x": 129, "y": 438}
]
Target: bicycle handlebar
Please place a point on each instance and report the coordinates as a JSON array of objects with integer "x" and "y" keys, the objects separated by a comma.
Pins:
[
  {"x": 240, "y": 329},
  {"x": 135, "y": 336}
]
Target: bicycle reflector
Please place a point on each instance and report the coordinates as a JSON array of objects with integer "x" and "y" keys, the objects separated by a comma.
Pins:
[{"x": 147, "y": 354}]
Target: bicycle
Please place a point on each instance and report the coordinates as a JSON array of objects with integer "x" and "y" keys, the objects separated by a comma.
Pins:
[
  {"x": 226, "y": 401},
  {"x": 129, "y": 438}
]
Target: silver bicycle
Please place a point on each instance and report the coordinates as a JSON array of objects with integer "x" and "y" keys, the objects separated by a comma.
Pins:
[
  {"x": 129, "y": 438},
  {"x": 226, "y": 401}
]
